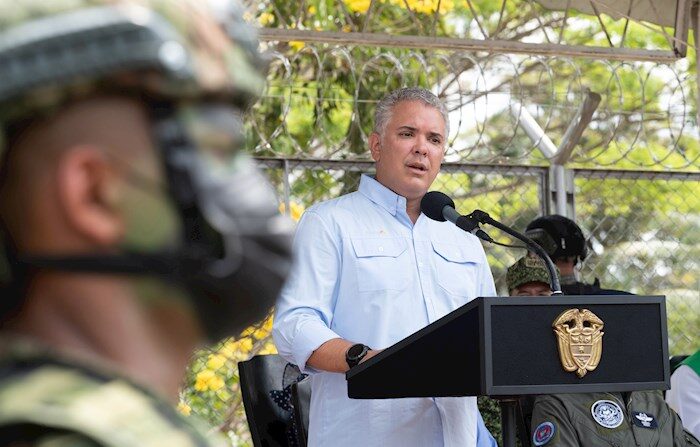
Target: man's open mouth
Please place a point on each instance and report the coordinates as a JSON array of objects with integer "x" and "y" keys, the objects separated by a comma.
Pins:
[{"x": 418, "y": 167}]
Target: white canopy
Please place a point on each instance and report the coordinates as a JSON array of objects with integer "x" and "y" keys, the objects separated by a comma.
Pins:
[{"x": 661, "y": 12}]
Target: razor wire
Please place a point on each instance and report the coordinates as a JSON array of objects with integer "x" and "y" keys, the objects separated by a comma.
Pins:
[
  {"x": 602, "y": 24},
  {"x": 320, "y": 99}
]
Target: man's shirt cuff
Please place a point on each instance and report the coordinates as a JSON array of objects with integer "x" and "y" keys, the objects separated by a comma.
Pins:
[{"x": 310, "y": 336}]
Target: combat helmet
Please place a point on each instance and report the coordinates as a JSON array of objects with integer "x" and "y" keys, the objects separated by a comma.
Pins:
[
  {"x": 199, "y": 69},
  {"x": 559, "y": 236}
]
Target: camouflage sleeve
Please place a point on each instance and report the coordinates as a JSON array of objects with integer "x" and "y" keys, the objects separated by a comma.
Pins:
[{"x": 551, "y": 425}]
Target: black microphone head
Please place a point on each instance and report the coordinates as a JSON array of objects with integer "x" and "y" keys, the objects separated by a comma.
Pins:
[{"x": 432, "y": 204}]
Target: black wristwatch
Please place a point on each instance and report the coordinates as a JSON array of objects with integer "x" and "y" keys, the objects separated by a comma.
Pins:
[{"x": 355, "y": 354}]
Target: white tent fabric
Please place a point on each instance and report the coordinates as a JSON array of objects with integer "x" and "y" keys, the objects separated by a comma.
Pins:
[{"x": 662, "y": 12}]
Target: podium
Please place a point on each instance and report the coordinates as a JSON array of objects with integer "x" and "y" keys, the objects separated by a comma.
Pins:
[{"x": 507, "y": 346}]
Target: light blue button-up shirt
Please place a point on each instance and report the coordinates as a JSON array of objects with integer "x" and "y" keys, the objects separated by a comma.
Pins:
[{"x": 364, "y": 272}]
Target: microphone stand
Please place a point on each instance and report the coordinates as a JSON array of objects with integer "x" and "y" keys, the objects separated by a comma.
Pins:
[{"x": 509, "y": 404}]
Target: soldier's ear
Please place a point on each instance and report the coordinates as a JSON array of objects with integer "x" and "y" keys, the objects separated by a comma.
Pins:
[
  {"x": 375, "y": 145},
  {"x": 88, "y": 188}
]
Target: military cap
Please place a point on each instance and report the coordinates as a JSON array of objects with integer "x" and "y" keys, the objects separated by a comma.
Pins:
[{"x": 527, "y": 269}]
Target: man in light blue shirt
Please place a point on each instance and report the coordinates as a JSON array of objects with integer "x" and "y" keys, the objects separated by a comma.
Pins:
[{"x": 371, "y": 270}]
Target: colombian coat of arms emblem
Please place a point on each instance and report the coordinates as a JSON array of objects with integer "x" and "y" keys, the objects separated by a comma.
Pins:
[{"x": 580, "y": 340}]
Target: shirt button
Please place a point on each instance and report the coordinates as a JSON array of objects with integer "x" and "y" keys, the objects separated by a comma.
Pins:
[
  {"x": 420, "y": 263},
  {"x": 381, "y": 248}
]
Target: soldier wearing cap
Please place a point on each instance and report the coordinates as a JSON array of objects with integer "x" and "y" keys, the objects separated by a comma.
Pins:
[
  {"x": 133, "y": 228},
  {"x": 563, "y": 240},
  {"x": 639, "y": 418},
  {"x": 528, "y": 277}
]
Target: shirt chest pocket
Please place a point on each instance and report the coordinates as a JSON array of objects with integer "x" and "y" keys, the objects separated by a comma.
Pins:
[
  {"x": 381, "y": 263},
  {"x": 457, "y": 268}
]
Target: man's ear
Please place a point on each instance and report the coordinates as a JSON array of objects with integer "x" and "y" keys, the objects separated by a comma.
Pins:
[
  {"x": 375, "y": 145},
  {"x": 88, "y": 189}
]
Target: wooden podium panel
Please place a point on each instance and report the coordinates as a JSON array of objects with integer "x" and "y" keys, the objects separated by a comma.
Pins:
[{"x": 506, "y": 346}]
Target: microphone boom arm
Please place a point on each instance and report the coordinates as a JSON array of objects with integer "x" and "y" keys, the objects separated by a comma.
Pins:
[{"x": 484, "y": 218}]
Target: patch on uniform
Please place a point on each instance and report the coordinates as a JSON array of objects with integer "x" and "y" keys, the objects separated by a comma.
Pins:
[
  {"x": 543, "y": 433},
  {"x": 642, "y": 419},
  {"x": 607, "y": 413}
]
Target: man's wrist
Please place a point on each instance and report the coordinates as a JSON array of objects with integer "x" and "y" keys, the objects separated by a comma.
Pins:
[{"x": 355, "y": 354}]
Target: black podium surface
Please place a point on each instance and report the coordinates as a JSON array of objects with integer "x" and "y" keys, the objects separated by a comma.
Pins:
[{"x": 506, "y": 346}]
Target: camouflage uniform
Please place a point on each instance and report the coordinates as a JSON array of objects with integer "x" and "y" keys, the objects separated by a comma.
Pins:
[
  {"x": 57, "y": 400},
  {"x": 527, "y": 269},
  {"x": 577, "y": 420},
  {"x": 48, "y": 400}
]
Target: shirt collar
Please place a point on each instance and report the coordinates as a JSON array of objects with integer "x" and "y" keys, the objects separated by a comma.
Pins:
[{"x": 381, "y": 195}]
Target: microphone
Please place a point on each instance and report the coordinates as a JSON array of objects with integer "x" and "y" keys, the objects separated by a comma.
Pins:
[{"x": 440, "y": 207}]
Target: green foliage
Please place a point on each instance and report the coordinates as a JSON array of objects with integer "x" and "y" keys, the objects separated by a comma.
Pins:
[{"x": 491, "y": 413}]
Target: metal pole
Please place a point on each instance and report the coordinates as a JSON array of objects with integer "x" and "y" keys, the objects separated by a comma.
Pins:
[
  {"x": 560, "y": 189},
  {"x": 287, "y": 190},
  {"x": 533, "y": 130},
  {"x": 695, "y": 16},
  {"x": 462, "y": 44},
  {"x": 508, "y": 412}
]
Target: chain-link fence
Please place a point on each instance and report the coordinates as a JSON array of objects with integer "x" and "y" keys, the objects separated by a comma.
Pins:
[{"x": 643, "y": 231}]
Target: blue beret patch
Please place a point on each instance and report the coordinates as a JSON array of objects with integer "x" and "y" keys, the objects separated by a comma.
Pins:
[{"x": 543, "y": 433}]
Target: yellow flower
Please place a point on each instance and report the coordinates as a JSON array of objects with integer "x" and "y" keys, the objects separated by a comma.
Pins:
[
  {"x": 245, "y": 345},
  {"x": 208, "y": 380},
  {"x": 360, "y": 6},
  {"x": 216, "y": 383},
  {"x": 201, "y": 382},
  {"x": 261, "y": 333},
  {"x": 296, "y": 45},
  {"x": 183, "y": 408},
  {"x": 269, "y": 348},
  {"x": 266, "y": 18},
  {"x": 267, "y": 325},
  {"x": 229, "y": 349},
  {"x": 312, "y": 9},
  {"x": 216, "y": 361},
  {"x": 426, "y": 6},
  {"x": 296, "y": 210},
  {"x": 346, "y": 28}
]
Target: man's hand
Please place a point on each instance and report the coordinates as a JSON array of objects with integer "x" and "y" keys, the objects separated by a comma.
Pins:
[{"x": 371, "y": 353}]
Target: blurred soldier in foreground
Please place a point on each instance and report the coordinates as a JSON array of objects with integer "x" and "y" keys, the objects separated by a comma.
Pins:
[
  {"x": 133, "y": 228},
  {"x": 564, "y": 242},
  {"x": 632, "y": 419}
]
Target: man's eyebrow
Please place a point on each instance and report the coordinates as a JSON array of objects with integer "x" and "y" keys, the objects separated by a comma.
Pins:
[{"x": 430, "y": 134}]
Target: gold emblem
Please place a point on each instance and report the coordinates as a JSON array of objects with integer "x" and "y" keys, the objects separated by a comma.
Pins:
[{"x": 580, "y": 340}]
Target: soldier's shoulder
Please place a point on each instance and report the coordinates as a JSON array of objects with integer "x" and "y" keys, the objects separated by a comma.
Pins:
[{"x": 70, "y": 401}]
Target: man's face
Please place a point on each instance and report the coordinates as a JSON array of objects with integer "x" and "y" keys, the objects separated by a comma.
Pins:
[
  {"x": 410, "y": 151},
  {"x": 535, "y": 288}
]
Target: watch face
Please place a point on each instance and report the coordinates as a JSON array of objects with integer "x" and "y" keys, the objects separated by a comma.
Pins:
[{"x": 355, "y": 351}]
